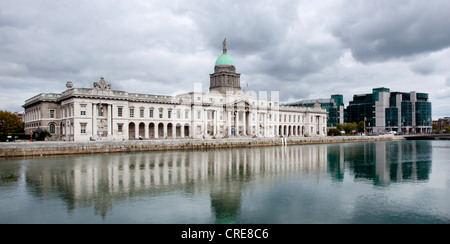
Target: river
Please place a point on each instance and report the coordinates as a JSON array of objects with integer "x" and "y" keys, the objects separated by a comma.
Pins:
[{"x": 373, "y": 182}]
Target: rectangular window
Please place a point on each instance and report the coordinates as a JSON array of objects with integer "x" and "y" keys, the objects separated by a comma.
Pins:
[
  {"x": 169, "y": 114},
  {"x": 119, "y": 111},
  {"x": 100, "y": 111},
  {"x": 131, "y": 112},
  {"x": 141, "y": 113},
  {"x": 178, "y": 114},
  {"x": 186, "y": 114},
  {"x": 83, "y": 110},
  {"x": 52, "y": 113},
  {"x": 161, "y": 113},
  {"x": 119, "y": 127},
  {"x": 150, "y": 112},
  {"x": 198, "y": 115},
  {"x": 83, "y": 128}
]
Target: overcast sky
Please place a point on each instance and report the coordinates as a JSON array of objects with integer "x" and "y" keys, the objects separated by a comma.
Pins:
[{"x": 303, "y": 49}]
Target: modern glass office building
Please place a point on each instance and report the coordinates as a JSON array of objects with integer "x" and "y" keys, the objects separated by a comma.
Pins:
[
  {"x": 385, "y": 111},
  {"x": 333, "y": 105}
]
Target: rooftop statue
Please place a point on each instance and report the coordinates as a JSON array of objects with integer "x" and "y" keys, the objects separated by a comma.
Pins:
[
  {"x": 102, "y": 84},
  {"x": 224, "y": 45}
]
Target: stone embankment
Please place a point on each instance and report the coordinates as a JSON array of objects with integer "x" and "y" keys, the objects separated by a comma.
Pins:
[{"x": 15, "y": 149}]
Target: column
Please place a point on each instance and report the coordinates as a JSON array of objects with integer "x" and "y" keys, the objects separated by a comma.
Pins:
[
  {"x": 236, "y": 126},
  {"x": 244, "y": 133},
  {"x": 205, "y": 121},
  {"x": 109, "y": 131},
  {"x": 146, "y": 131},
  {"x": 215, "y": 122},
  {"x": 164, "y": 130},
  {"x": 229, "y": 122},
  {"x": 136, "y": 130},
  {"x": 257, "y": 125},
  {"x": 265, "y": 124},
  {"x": 94, "y": 120},
  {"x": 174, "y": 130},
  {"x": 250, "y": 121},
  {"x": 193, "y": 129},
  {"x": 182, "y": 131}
]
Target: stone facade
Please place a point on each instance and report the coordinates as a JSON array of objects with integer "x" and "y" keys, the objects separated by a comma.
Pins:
[{"x": 100, "y": 113}]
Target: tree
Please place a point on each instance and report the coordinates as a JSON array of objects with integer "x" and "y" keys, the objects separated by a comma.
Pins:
[
  {"x": 447, "y": 129},
  {"x": 350, "y": 127},
  {"x": 9, "y": 123},
  {"x": 361, "y": 126},
  {"x": 334, "y": 132}
]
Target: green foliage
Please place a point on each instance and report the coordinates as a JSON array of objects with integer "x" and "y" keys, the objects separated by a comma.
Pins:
[
  {"x": 348, "y": 127},
  {"x": 334, "y": 132},
  {"x": 360, "y": 127},
  {"x": 10, "y": 122},
  {"x": 447, "y": 129},
  {"x": 48, "y": 134}
]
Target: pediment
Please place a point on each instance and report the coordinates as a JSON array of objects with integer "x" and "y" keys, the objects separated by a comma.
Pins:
[{"x": 240, "y": 104}]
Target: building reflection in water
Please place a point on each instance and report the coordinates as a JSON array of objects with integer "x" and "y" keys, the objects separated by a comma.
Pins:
[
  {"x": 101, "y": 180},
  {"x": 382, "y": 163}
]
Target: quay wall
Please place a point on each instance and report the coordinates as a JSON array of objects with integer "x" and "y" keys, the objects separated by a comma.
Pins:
[{"x": 44, "y": 148}]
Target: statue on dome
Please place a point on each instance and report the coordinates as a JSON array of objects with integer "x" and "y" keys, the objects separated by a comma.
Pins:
[{"x": 224, "y": 45}]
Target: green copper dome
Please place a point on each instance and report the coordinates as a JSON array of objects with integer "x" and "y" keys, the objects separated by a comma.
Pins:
[{"x": 224, "y": 59}]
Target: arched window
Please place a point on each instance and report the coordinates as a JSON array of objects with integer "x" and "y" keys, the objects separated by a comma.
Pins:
[{"x": 51, "y": 128}]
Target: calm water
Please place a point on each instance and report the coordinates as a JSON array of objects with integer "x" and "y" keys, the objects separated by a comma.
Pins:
[{"x": 383, "y": 182}]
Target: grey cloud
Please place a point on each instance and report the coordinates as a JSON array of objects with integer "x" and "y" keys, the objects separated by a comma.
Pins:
[
  {"x": 381, "y": 30},
  {"x": 252, "y": 26},
  {"x": 423, "y": 68},
  {"x": 272, "y": 32}
]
